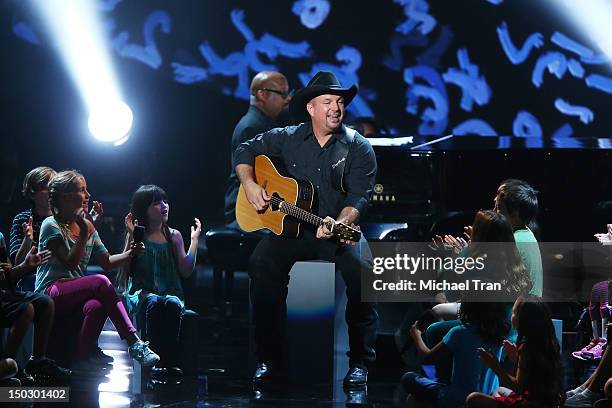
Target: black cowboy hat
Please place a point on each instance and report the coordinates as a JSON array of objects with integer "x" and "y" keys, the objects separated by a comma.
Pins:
[{"x": 324, "y": 82}]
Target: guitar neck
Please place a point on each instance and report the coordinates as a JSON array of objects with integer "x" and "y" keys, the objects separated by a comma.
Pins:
[
  {"x": 342, "y": 231},
  {"x": 300, "y": 214}
]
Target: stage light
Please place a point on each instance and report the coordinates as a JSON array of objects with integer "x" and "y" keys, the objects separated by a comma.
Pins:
[
  {"x": 110, "y": 399},
  {"x": 75, "y": 31},
  {"x": 593, "y": 17},
  {"x": 111, "y": 122}
]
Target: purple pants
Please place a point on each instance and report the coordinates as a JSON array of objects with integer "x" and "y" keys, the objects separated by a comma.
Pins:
[
  {"x": 95, "y": 299},
  {"x": 598, "y": 304}
]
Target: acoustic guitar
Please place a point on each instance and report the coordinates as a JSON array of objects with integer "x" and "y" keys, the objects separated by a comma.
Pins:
[{"x": 290, "y": 204}]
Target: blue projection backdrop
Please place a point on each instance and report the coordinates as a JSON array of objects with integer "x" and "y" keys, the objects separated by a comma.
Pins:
[{"x": 430, "y": 67}]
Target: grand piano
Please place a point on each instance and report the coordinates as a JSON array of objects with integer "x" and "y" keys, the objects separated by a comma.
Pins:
[
  {"x": 430, "y": 185},
  {"x": 424, "y": 182}
]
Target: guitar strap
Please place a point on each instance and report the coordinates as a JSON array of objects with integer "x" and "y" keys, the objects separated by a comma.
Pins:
[{"x": 339, "y": 156}]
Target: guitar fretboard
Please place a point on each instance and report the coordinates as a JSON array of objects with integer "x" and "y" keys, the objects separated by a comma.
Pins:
[
  {"x": 341, "y": 230},
  {"x": 297, "y": 212}
]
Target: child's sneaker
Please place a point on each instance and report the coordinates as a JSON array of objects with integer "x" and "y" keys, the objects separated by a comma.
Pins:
[
  {"x": 580, "y": 353},
  {"x": 573, "y": 392},
  {"x": 595, "y": 352},
  {"x": 582, "y": 399},
  {"x": 10, "y": 382},
  {"x": 99, "y": 357},
  {"x": 141, "y": 352},
  {"x": 46, "y": 369}
]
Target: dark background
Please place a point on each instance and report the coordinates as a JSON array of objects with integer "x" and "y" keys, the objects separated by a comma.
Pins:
[{"x": 181, "y": 134}]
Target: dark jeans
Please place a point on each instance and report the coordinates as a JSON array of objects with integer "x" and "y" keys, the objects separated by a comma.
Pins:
[
  {"x": 160, "y": 321},
  {"x": 421, "y": 388},
  {"x": 269, "y": 271},
  {"x": 13, "y": 305}
]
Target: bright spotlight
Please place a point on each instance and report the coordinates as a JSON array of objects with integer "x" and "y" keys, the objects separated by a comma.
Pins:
[
  {"x": 593, "y": 17},
  {"x": 111, "y": 122},
  {"x": 76, "y": 32}
]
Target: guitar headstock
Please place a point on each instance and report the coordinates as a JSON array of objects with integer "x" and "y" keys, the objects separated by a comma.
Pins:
[{"x": 348, "y": 234}]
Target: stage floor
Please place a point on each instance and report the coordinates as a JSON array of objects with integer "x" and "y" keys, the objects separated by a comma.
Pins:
[{"x": 223, "y": 378}]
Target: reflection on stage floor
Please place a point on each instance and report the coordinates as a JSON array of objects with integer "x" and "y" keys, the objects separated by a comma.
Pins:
[{"x": 223, "y": 378}]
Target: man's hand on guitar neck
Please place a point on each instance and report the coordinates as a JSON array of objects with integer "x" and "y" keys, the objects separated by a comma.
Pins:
[
  {"x": 325, "y": 230},
  {"x": 256, "y": 195},
  {"x": 347, "y": 216}
]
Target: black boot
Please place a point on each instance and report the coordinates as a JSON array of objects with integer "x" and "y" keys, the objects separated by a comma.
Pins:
[{"x": 357, "y": 376}]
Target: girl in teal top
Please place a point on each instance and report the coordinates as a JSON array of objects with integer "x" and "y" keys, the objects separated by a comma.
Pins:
[{"x": 153, "y": 280}]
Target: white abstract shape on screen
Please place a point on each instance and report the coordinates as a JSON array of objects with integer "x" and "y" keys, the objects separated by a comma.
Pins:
[
  {"x": 148, "y": 53},
  {"x": 312, "y": 13}
]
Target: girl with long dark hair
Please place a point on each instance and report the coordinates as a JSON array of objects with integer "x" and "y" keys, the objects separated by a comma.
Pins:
[
  {"x": 482, "y": 325},
  {"x": 153, "y": 281},
  {"x": 492, "y": 235},
  {"x": 537, "y": 381}
]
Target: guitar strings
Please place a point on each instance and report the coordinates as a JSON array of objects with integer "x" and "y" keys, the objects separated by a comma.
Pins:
[
  {"x": 300, "y": 213},
  {"x": 297, "y": 211}
]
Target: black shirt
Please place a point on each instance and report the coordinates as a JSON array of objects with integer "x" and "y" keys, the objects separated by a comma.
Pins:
[
  {"x": 305, "y": 159},
  {"x": 250, "y": 125},
  {"x": 17, "y": 236}
]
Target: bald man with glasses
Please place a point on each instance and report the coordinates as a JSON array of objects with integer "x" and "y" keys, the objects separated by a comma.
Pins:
[{"x": 270, "y": 96}]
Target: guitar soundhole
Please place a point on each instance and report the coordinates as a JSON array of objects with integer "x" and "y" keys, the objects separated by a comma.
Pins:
[{"x": 275, "y": 202}]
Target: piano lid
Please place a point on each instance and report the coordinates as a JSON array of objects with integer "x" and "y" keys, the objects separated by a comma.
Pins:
[{"x": 452, "y": 142}]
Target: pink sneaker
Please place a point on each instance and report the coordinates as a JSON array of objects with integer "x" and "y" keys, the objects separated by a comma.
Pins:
[
  {"x": 580, "y": 353},
  {"x": 595, "y": 352}
]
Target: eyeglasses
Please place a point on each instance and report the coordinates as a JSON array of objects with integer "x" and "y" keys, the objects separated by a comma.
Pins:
[{"x": 281, "y": 93}]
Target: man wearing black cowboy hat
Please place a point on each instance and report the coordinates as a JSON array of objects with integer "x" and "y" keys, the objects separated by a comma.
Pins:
[{"x": 341, "y": 165}]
